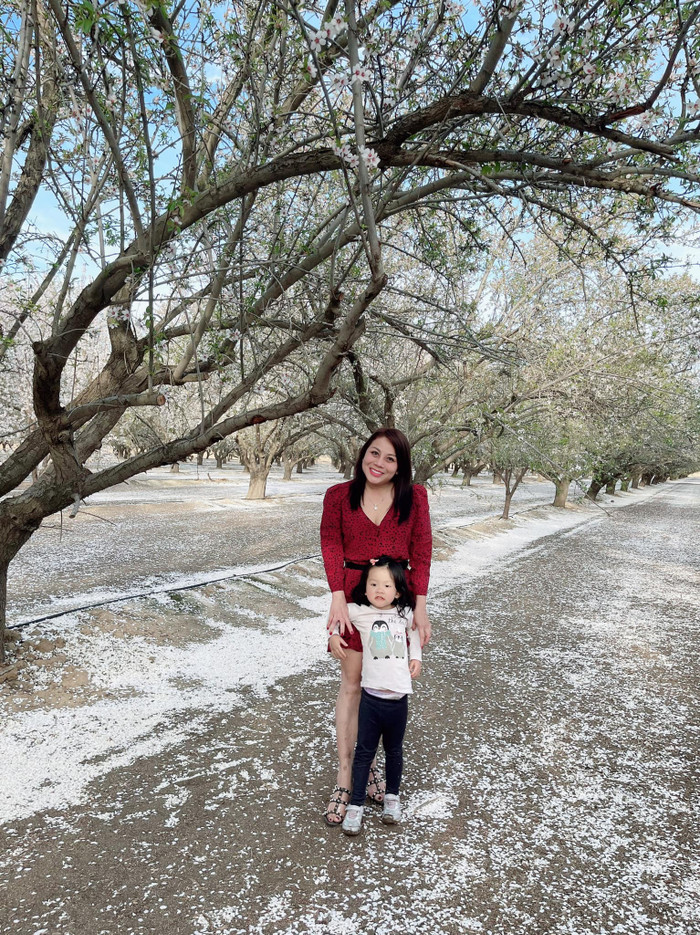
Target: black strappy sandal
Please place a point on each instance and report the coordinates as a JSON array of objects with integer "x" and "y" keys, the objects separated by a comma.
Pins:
[
  {"x": 336, "y": 800},
  {"x": 374, "y": 779}
]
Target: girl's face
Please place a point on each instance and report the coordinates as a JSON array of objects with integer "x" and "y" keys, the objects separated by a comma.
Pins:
[
  {"x": 379, "y": 464},
  {"x": 381, "y": 591}
]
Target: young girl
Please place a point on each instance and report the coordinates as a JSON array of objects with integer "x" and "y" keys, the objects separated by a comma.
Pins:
[{"x": 382, "y": 613}]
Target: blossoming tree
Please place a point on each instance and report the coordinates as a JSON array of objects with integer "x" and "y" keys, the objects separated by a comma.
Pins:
[{"x": 217, "y": 187}]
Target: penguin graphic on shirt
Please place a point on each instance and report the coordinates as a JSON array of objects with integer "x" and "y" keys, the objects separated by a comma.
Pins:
[
  {"x": 380, "y": 640},
  {"x": 399, "y": 647}
]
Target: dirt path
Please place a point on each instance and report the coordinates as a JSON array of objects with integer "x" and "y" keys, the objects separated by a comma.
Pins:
[{"x": 551, "y": 781}]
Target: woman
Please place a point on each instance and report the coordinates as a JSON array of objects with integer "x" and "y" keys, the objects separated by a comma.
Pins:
[{"x": 379, "y": 512}]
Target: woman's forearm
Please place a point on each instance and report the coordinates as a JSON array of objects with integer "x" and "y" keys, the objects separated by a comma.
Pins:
[
  {"x": 421, "y": 619},
  {"x": 339, "y": 612}
]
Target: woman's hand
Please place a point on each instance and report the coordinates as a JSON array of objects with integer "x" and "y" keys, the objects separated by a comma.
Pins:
[
  {"x": 421, "y": 620},
  {"x": 414, "y": 668},
  {"x": 338, "y": 615},
  {"x": 337, "y": 646}
]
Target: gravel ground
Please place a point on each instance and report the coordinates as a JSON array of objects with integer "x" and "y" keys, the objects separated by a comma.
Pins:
[{"x": 551, "y": 779}]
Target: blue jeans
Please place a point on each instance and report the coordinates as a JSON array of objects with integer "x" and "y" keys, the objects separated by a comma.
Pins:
[{"x": 385, "y": 718}]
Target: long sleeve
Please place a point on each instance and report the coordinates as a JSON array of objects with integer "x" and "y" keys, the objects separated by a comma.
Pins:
[
  {"x": 421, "y": 545},
  {"x": 332, "y": 546},
  {"x": 415, "y": 650}
]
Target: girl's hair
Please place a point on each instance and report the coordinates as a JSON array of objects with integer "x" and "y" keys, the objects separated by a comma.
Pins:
[
  {"x": 402, "y": 480},
  {"x": 404, "y": 598}
]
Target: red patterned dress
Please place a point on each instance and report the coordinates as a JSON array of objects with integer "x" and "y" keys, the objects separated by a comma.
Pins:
[{"x": 349, "y": 535}]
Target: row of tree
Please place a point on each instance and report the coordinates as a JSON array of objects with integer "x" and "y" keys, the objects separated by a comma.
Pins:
[{"x": 556, "y": 367}]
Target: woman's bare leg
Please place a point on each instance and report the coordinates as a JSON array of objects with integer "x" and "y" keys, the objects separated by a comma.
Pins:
[{"x": 346, "y": 707}]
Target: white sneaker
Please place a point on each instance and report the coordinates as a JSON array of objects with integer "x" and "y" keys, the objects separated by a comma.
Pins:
[
  {"x": 352, "y": 823},
  {"x": 391, "y": 814}
]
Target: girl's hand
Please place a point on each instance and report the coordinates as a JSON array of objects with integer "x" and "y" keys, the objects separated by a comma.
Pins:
[
  {"x": 414, "y": 667},
  {"x": 421, "y": 621},
  {"x": 339, "y": 614},
  {"x": 337, "y": 645}
]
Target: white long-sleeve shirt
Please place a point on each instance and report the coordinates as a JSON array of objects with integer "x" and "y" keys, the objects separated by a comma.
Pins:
[{"x": 385, "y": 654}]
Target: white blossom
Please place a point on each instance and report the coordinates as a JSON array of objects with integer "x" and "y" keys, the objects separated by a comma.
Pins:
[
  {"x": 118, "y": 315},
  {"x": 349, "y": 157},
  {"x": 360, "y": 74},
  {"x": 554, "y": 56},
  {"x": 589, "y": 72},
  {"x": 340, "y": 82},
  {"x": 337, "y": 24},
  {"x": 562, "y": 26},
  {"x": 317, "y": 41},
  {"x": 369, "y": 157}
]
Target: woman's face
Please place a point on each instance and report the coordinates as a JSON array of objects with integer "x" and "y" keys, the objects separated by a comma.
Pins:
[{"x": 379, "y": 464}]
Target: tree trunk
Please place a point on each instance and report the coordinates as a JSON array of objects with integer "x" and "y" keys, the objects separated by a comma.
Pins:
[
  {"x": 347, "y": 473},
  {"x": 497, "y": 477},
  {"x": 511, "y": 478},
  {"x": 257, "y": 483},
  {"x": 18, "y": 529},
  {"x": 3, "y": 609},
  {"x": 562, "y": 491},
  {"x": 624, "y": 484},
  {"x": 506, "y": 505},
  {"x": 219, "y": 462},
  {"x": 610, "y": 487},
  {"x": 594, "y": 489},
  {"x": 300, "y": 467},
  {"x": 472, "y": 469},
  {"x": 635, "y": 480},
  {"x": 288, "y": 464},
  {"x": 200, "y": 458},
  {"x": 647, "y": 478}
]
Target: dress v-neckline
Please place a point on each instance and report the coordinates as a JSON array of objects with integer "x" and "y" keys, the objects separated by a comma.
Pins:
[{"x": 365, "y": 513}]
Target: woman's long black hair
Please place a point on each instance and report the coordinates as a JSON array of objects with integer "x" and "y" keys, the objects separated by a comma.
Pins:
[
  {"x": 405, "y": 598},
  {"x": 402, "y": 480}
]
